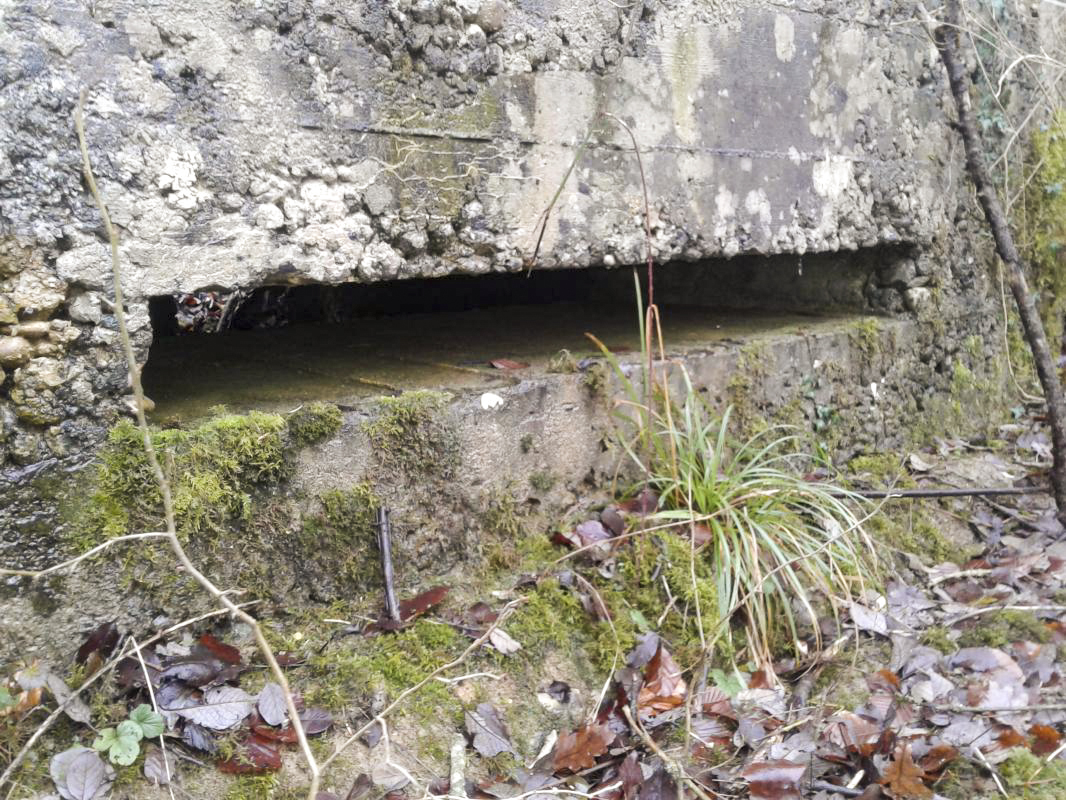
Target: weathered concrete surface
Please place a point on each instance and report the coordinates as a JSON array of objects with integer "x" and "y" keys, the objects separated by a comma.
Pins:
[{"x": 332, "y": 141}]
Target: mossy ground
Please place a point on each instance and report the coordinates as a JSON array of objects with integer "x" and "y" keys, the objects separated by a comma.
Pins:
[
  {"x": 1032, "y": 778},
  {"x": 1001, "y": 628}
]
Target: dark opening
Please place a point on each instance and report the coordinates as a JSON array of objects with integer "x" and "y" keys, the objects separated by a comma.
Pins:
[{"x": 283, "y": 345}]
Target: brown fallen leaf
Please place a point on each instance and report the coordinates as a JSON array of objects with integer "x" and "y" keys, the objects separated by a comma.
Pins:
[
  {"x": 937, "y": 758},
  {"x": 663, "y": 688},
  {"x": 1045, "y": 740},
  {"x": 419, "y": 605},
  {"x": 903, "y": 779},
  {"x": 506, "y": 363},
  {"x": 579, "y": 749},
  {"x": 774, "y": 780}
]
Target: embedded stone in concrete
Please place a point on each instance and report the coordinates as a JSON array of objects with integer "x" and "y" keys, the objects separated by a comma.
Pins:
[{"x": 14, "y": 351}]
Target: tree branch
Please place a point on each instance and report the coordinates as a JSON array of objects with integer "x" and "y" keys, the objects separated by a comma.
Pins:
[{"x": 946, "y": 38}]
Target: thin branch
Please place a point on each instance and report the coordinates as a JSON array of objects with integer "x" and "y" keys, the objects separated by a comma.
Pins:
[
  {"x": 157, "y": 470},
  {"x": 978, "y": 612},
  {"x": 29, "y": 573},
  {"x": 155, "y": 708},
  {"x": 672, "y": 765}
]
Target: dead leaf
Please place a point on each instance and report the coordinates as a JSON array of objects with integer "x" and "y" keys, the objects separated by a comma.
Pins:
[
  {"x": 663, "y": 688},
  {"x": 220, "y": 650},
  {"x": 490, "y": 737},
  {"x": 503, "y": 642},
  {"x": 903, "y": 779},
  {"x": 254, "y": 755},
  {"x": 937, "y": 758},
  {"x": 579, "y": 749},
  {"x": 774, "y": 780},
  {"x": 77, "y": 709},
  {"x": 101, "y": 641},
  {"x": 419, "y": 605},
  {"x": 1045, "y": 740},
  {"x": 506, "y": 363}
]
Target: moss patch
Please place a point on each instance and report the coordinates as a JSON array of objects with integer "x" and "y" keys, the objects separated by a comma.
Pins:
[
  {"x": 881, "y": 470},
  {"x": 1032, "y": 778},
  {"x": 351, "y": 671},
  {"x": 409, "y": 434},
  {"x": 910, "y": 531},
  {"x": 1001, "y": 628},
  {"x": 938, "y": 639},
  {"x": 1045, "y": 208},
  {"x": 314, "y": 422}
]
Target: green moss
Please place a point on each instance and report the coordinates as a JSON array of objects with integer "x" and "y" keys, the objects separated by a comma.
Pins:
[
  {"x": 1045, "y": 221},
  {"x": 542, "y": 481},
  {"x": 881, "y": 469},
  {"x": 563, "y": 362},
  {"x": 314, "y": 422},
  {"x": 252, "y": 787},
  {"x": 213, "y": 469},
  {"x": 958, "y": 780},
  {"x": 526, "y": 443},
  {"x": 346, "y": 526},
  {"x": 937, "y": 638},
  {"x": 349, "y": 672},
  {"x": 910, "y": 531},
  {"x": 595, "y": 379},
  {"x": 1001, "y": 628},
  {"x": 504, "y": 515},
  {"x": 1031, "y": 778},
  {"x": 409, "y": 435},
  {"x": 866, "y": 335},
  {"x": 741, "y": 389}
]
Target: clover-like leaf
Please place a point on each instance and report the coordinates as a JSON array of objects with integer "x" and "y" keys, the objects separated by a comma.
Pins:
[
  {"x": 150, "y": 723},
  {"x": 103, "y": 742},
  {"x": 124, "y": 751},
  {"x": 6, "y": 700},
  {"x": 128, "y": 729}
]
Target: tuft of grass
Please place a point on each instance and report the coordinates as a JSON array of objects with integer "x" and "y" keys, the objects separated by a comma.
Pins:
[{"x": 776, "y": 541}]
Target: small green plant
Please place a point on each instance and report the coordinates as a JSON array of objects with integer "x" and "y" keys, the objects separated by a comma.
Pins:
[
  {"x": 123, "y": 744},
  {"x": 775, "y": 540}
]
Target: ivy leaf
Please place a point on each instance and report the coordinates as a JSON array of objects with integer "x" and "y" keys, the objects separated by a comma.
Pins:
[{"x": 149, "y": 722}]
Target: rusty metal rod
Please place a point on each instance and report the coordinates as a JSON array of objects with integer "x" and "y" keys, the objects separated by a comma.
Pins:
[
  {"x": 1001, "y": 490},
  {"x": 392, "y": 608}
]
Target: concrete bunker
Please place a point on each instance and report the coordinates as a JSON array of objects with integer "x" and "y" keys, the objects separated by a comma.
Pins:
[{"x": 276, "y": 346}]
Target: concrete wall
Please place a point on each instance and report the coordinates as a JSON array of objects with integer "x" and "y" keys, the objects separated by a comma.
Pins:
[{"x": 241, "y": 144}]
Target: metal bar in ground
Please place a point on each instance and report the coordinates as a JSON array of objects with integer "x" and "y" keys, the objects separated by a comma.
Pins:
[{"x": 392, "y": 608}]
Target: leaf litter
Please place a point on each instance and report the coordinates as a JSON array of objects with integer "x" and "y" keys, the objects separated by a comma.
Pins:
[{"x": 728, "y": 729}]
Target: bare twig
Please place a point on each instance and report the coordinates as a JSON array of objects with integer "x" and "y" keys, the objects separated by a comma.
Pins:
[
  {"x": 157, "y": 471},
  {"x": 29, "y": 573},
  {"x": 978, "y": 612},
  {"x": 891, "y": 494},
  {"x": 995, "y": 775},
  {"x": 962, "y": 573},
  {"x": 671, "y": 764},
  {"x": 155, "y": 708}
]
